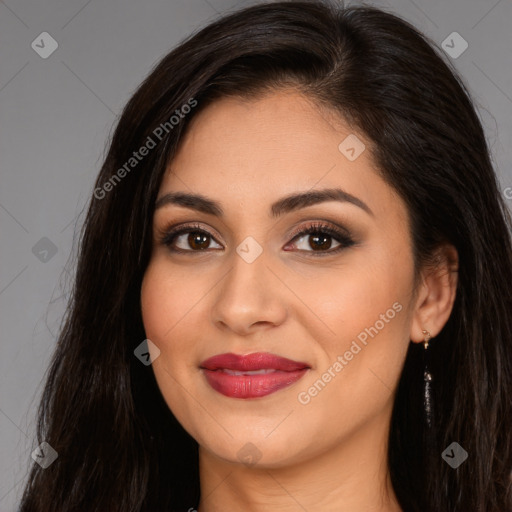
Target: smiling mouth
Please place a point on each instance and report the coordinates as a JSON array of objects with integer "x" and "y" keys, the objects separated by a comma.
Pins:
[
  {"x": 251, "y": 376},
  {"x": 249, "y": 372},
  {"x": 251, "y": 384}
]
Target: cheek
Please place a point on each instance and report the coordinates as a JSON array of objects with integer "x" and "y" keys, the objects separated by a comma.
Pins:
[
  {"x": 166, "y": 299},
  {"x": 153, "y": 301},
  {"x": 342, "y": 301},
  {"x": 365, "y": 319},
  {"x": 164, "y": 306},
  {"x": 172, "y": 313},
  {"x": 164, "y": 314}
]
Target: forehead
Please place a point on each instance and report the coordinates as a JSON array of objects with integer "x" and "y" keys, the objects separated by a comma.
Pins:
[{"x": 257, "y": 150}]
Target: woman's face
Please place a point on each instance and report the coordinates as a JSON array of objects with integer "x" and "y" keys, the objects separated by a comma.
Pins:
[{"x": 338, "y": 302}]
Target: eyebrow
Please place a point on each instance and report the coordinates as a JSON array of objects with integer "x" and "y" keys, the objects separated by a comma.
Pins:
[{"x": 284, "y": 205}]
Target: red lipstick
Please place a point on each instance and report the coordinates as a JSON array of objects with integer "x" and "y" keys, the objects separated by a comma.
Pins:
[{"x": 253, "y": 375}]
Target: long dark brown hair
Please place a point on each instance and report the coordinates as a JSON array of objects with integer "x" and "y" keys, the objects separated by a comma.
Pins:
[{"x": 119, "y": 446}]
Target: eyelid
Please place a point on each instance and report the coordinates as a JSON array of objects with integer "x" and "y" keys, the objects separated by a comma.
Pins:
[
  {"x": 342, "y": 235},
  {"x": 171, "y": 230},
  {"x": 321, "y": 225}
]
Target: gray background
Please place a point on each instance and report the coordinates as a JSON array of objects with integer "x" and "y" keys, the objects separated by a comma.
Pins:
[{"x": 56, "y": 114}]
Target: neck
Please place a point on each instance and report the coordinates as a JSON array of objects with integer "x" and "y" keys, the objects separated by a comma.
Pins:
[{"x": 352, "y": 477}]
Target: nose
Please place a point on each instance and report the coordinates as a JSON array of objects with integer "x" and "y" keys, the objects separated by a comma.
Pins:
[{"x": 249, "y": 298}]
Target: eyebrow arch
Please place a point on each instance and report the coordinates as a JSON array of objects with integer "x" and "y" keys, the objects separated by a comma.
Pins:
[{"x": 284, "y": 205}]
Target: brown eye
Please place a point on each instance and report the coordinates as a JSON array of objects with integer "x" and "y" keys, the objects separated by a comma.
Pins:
[
  {"x": 319, "y": 241},
  {"x": 320, "y": 237},
  {"x": 196, "y": 241}
]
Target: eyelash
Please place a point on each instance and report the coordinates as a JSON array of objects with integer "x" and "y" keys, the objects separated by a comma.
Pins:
[{"x": 169, "y": 235}]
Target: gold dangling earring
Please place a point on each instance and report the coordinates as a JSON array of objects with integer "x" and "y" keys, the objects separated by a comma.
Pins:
[{"x": 427, "y": 382}]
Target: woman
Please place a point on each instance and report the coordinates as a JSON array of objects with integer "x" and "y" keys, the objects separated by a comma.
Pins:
[{"x": 210, "y": 361}]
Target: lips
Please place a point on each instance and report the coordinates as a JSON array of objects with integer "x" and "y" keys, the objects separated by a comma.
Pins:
[
  {"x": 253, "y": 375},
  {"x": 252, "y": 362}
]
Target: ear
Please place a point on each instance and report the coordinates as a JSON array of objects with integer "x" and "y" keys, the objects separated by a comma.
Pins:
[{"x": 436, "y": 294}]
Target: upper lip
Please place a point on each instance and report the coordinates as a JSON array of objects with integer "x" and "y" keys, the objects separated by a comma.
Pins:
[{"x": 249, "y": 362}]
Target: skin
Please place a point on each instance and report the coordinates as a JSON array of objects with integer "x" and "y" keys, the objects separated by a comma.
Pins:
[{"x": 328, "y": 454}]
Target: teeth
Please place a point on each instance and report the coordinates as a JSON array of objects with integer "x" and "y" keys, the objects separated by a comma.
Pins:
[{"x": 251, "y": 372}]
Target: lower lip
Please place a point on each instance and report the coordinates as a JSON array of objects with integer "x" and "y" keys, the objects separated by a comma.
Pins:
[{"x": 251, "y": 386}]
